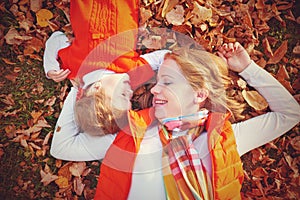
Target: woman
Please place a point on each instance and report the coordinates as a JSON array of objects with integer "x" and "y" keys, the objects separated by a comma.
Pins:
[{"x": 193, "y": 152}]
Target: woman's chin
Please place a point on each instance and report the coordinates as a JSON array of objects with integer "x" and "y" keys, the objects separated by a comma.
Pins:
[{"x": 159, "y": 115}]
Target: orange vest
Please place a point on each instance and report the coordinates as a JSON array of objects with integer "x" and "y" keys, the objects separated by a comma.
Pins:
[
  {"x": 93, "y": 22},
  {"x": 227, "y": 173}
]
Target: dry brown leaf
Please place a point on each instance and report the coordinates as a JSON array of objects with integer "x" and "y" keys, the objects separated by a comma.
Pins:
[
  {"x": 7, "y": 61},
  {"x": 46, "y": 140},
  {"x": 35, "y": 5},
  {"x": 259, "y": 172},
  {"x": 65, "y": 172},
  {"x": 23, "y": 143},
  {"x": 257, "y": 155},
  {"x": 241, "y": 83},
  {"x": 10, "y": 131},
  {"x": 153, "y": 42},
  {"x": 279, "y": 53},
  {"x": 283, "y": 77},
  {"x": 23, "y": 37},
  {"x": 296, "y": 50},
  {"x": 77, "y": 168},
  {"x": 12, "y": 77},
  {"x": 43, "y": 16},
  {"x": 260, "y": 4},
  {"x": 295, "y": 143},
  {"x": 167, "y": 6},
  {"x": 47, "y": 176},
  {"x": 35, "y": 135},
  {"x": 1, "y": 153},
  {"x": 200, "y": 14},
  {"x": 255, "y": 100},
  {"x": 282, "y": 73},
  {"x": 285, "y": 6},
  {"x": 36, "y": 115},
  {"x": 58, "y": 163},
  {"x": 34, "y": 146},
  {"x": 267, "y": 47},
  {"x": 145, "y": 15},
  {"x": 63, "y": 92},
  {"x": 35, "y": 44},
  {"x": 290, "y": 16},
  {"x": 175, "y": 16},
  {"x": 51, "y": 101},
  {"x": 26, "y": 24},
  {"x": 78, "y": 186},
  {"x": 8, "y": 100},
  {"x": 41, "y": 123},
  {"x": 10, "y": 37},
  {"x": 13, "y": 113}
]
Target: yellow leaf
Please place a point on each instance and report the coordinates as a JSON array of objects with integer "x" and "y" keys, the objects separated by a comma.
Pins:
[
  {"x": 62, "y": 182},
  {"x": 255, "y": 100},
  {"x": 200, "y": 14},
  {"x": 42, "y": 17}
]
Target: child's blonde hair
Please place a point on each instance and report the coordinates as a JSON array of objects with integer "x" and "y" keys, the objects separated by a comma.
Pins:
[{"x": 95, "y": 115}]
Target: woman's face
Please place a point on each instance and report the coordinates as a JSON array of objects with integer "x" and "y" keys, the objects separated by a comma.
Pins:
[
  {"x": 117, "y": 88},
  {"x": 173, "y": 95}
]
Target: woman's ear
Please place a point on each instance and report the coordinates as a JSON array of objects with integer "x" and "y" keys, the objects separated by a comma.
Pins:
[{"x": 200, "y": 96}]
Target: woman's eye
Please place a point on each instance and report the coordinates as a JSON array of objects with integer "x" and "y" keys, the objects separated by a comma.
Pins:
[{"x": 167, "y": 83}]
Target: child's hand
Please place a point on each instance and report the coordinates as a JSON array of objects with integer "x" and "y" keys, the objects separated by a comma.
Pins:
[
  {"x": 58, "y": 75},
  {"x": 235, "y": 56}
]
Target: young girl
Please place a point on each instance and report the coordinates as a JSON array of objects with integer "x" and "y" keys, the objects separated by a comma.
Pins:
[{"x": 104, "y": 44}]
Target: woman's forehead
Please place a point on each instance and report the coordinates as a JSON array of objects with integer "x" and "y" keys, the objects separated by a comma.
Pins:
[{"x": 170, "y": 67}]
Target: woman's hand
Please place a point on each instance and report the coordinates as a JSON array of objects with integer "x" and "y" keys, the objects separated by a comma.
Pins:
[
  {"x": 58, "y": 75},
  {"x": 235, "y": 55}
]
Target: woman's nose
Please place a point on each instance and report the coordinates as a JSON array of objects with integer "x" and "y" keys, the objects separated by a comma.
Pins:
[{"x": 155, "y": 89}]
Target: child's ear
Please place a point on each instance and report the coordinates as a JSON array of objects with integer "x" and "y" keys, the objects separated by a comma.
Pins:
[{"x": 200, "y": 95}]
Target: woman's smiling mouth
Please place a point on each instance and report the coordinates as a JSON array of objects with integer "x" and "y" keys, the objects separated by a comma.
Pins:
[{"x": 159, "y": 102}]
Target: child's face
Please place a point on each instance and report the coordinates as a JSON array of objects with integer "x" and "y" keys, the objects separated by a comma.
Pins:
[
  {"x": 173, "y": 95},
  {"x": 118, "y": 90}
]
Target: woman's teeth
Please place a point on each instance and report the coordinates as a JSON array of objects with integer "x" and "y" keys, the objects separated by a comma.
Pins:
[{"x": 159, "y": 101}]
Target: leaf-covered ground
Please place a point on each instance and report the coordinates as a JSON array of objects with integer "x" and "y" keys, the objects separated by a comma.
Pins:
[{"x": 30, "y": 103}]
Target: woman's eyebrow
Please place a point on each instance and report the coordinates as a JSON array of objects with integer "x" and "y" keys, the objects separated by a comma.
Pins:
[{"x": 167, "y": 75}]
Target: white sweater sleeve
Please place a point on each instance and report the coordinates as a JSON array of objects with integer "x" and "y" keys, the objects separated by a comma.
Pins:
[
  {"x": 155, "y": 58},
  {"x": 58, "y": 40},
  {"x": 69, "y": 143},
  {"x": 284, "y": 115}
]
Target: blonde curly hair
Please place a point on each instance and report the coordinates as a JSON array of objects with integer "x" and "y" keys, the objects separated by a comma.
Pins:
[
  {"x": 206, "y": 70},
  {"x": 95, "y": 115}
]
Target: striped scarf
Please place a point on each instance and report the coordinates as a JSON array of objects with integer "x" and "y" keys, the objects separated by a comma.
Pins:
[{"x": 184, "y": 174}]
